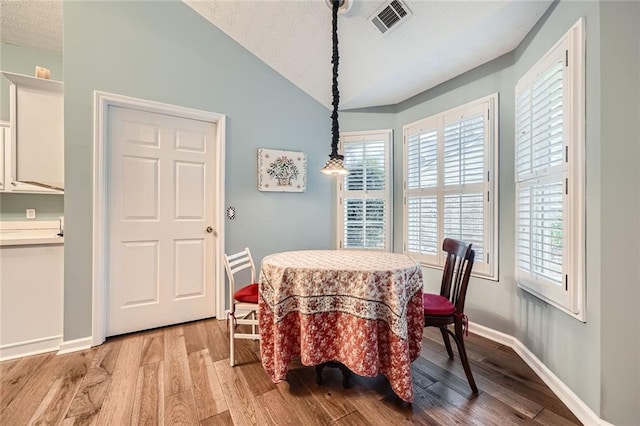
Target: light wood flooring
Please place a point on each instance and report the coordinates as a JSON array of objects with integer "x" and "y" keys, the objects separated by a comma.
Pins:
[{"x": 180, "y": 375}]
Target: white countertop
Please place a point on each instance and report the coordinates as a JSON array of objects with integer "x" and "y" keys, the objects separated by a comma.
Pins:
[{"x": 20, "y": 233}]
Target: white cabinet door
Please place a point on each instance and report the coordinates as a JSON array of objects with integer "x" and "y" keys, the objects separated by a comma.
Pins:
[
  {"x": 40, "y": 134},
  {"x": 37, "y": 135},
  {"x": 31, "y": 299},
  {"x": 4, "y": 139}
]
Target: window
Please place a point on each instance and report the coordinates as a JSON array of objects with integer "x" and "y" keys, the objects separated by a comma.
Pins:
[
  {"x": 364, "y": 195},
  {"x": 450, "y": 182},
  {"x": 549, "y": 169}
]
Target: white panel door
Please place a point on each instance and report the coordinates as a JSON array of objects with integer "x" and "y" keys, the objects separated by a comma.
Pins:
[{"x": 160, "y": 203}]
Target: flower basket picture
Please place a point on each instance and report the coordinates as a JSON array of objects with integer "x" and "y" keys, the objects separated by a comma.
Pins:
[{"x": 281, "y": 171}]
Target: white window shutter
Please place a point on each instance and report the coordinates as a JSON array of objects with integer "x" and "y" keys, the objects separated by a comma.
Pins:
[
  {"x": 365, "y": 223},
  {"x": 450, "y": 184},
  {"x": 547, "y": 143},
  {"x": 523, "y": 251},
  {"x": 464, "y": 220},
  {"x": 464, "y": 142},
  {"x": 422, "y": 226},
  {"x": 523, "y": 133},
  {"x": 549, "y": 164},
  {"x": 541, "y": 173},
  {"x": 422, "y": 235},
  {"x": 422, "y": 160},
  {"x": 541, "y": 230},
  {"x": 365, "y": 201},
  {"x": 367, "y": 165},
  {"x": 464, "y": 172}
]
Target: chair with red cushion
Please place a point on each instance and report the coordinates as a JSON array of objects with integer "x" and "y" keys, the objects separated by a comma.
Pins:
[
  {"x": 441, "y": 310},
  {"x": 243, "y": 302}
]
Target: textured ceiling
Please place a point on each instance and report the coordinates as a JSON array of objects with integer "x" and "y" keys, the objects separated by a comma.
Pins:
[
  {"x": 442, "y": 39},
  {"x": 32, "y": 23}
]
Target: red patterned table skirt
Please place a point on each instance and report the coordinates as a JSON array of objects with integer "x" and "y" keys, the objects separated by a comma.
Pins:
[{"x": 367, "y": 347}]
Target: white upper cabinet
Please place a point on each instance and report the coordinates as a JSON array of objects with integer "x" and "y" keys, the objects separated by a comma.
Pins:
[{"x": 37, "y": 135}]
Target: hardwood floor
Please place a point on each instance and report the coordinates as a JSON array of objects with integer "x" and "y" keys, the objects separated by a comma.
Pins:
[{"x": 180, "y": 375}]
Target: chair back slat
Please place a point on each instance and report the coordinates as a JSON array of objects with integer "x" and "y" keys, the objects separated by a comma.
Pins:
[
  {"x": 235, "y": 263},
  {"x": 457, "y": 271},
  {"x": 240, "y": 264}
]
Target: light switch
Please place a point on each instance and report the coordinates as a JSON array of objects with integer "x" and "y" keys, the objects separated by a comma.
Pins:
[{"x": 31, "y": 213}]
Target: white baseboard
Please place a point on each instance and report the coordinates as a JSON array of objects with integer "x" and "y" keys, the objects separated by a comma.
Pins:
[
  {"x": 562, "y": 391},
  {"x": 75, "y": 345},
  {"x": 30, "y": 347}
]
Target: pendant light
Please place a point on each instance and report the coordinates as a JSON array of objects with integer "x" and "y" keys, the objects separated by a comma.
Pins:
[{"x": 335, "y": 165}]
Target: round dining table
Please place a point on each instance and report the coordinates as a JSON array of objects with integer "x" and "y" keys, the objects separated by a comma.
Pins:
[{"x": 360, "y": 308}]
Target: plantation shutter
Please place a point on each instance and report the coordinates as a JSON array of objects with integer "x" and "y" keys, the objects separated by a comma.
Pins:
[
  {"x": 541, "y": 174},
  {"x": 365, "y": 192},
  {"x": 366, "y": 164},
  {"x": 422, "y": 184},
  {"x": 464, "y": 177},
  {"x": 449, "y": 184}
]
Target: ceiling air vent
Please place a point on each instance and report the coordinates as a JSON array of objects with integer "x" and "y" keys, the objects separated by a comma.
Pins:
[{"x": 391, "y": 15}]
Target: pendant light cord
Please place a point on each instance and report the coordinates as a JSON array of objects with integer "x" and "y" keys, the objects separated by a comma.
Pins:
[{"x": 335, "y": 128}]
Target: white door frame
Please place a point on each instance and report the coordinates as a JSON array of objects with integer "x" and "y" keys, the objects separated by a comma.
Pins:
[{"x": 102, "y": 101}]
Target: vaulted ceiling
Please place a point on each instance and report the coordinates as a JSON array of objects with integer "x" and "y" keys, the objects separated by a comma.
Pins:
[{"x": 438, "y": 41}]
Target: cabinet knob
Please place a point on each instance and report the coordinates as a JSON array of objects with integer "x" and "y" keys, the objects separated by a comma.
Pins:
[{"x": 209, "y": 229}]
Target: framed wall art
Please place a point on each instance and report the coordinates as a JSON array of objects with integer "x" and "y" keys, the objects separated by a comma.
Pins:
[{"x": 281, "y": 171}]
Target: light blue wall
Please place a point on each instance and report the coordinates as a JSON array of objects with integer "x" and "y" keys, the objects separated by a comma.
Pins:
[
  {"x": 48, "y": 207},
  {"x": 620, "y": 210},
  {"x": 600, "y": 359},
  {"x": 23, "y": 60},
  {"x": 565, "y": 345},
  {"x": 164, "y": 51}
]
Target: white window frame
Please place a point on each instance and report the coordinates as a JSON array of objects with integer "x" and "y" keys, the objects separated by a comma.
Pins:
[
  {"x": 569, "y": 298},
  {"x": 387, "y": 194},
  {"x": 487, "y": 266}
]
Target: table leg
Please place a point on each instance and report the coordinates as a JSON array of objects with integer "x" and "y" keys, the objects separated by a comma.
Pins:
[{"x": 346, "y": 373}]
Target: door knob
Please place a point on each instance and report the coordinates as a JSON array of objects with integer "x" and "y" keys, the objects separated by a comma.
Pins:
[{"x": 209, "y": 229}]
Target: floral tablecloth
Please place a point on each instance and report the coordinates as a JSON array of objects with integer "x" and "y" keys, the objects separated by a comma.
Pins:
[{"x": 361, "y": 308}]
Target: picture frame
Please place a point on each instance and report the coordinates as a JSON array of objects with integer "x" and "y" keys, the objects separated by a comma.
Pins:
[{"x": 281, "y": 171}]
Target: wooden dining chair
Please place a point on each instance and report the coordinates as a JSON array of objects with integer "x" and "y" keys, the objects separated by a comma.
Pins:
[
  {"x": 244, "y": 300},
  {"x": 446, "y": 308}
]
